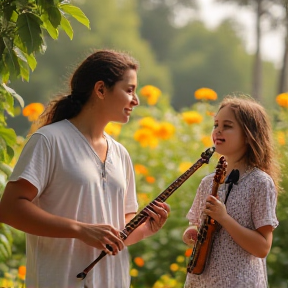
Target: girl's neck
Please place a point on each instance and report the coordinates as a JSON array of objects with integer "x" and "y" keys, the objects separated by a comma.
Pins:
[{"x": 240, "y": 164}]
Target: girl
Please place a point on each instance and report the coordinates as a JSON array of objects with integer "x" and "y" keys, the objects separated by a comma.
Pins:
[
  {"x": 242, "y": 133},
  {"x": 73, "y": 189}
]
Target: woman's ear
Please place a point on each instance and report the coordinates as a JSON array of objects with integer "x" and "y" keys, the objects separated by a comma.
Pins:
[{"x": 99, "y": 89}]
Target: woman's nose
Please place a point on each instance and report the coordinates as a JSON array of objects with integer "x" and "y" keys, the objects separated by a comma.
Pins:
[{"x": 135, "y": 100}]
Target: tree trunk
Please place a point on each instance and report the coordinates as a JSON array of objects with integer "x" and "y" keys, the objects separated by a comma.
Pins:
[
  {"x": 283, "y": 82},
  {"x": 257, "y": 68}
]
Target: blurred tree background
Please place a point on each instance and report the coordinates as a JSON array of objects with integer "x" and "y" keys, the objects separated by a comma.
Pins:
[{"x": 178, "y": 56}]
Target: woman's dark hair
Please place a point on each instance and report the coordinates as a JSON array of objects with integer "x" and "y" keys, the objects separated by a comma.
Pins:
[{"x": 108, "y": 66}]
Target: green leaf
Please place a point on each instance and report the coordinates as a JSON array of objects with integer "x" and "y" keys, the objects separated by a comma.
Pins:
[
  {"x": 29, "y": 30},
  {"x": 9, "y": 154},
  {"x": 54, "y": 16},
  {"x": 6, "y": 169},
  {"x": 9, "y": 136},
  {"x": 14, "y": 94},
  {"x": 76, "y": 13},
  {"x": 10, "y": 58},
  {"x": 53, "y": 32},
  {"x": 4, "y": 73},
  {"x": 23, "y": 64},
  {"x": 66, "y": 26},
  {"x": 9, "y": 104}
]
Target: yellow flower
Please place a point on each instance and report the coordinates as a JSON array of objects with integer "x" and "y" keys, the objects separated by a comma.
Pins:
[
  {"x": 143, "y": 197},
  {"x": 140, "y": 169},
  {"x": 139, "y": 261},
  {"x": 146, "y": 138},
  {"x": 33, "y": 111},
  {"x": 281, "y": 138},
  {"x": 180, "y": 259},
  {"x": 191, "y": 117},
  {"x": 148, "y": 122},
  {"x": 205, "y": 94},
  {"x": 134, "y": 272},
  {"x": 184, "y": 166},
  {"x": 174, "y": 267},
  {"x": 150, "y": 179},
  {"x": 165, "y": 130},
  {"x": 282, "y": 100},
  {"x": 152, "y": 94},
  {"x": 113, "y": 129},
  {"x": 207, "y": 141}
]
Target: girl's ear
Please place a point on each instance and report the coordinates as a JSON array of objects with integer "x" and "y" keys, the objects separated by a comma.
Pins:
[{"x": 99, "y": 89}]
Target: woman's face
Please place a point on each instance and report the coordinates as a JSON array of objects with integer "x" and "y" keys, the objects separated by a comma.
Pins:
[
  {"x": 122, "y": 98},
  {"x": 228, "y": 136}
]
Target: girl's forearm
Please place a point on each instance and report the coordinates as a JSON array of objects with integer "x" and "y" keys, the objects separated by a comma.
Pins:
[{"x": 250, "y": 240}]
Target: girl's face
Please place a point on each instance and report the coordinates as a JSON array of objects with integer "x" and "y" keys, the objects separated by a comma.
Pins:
[
  {"x": 122, "y": 98},
  {"x": 228, "y": 137}
]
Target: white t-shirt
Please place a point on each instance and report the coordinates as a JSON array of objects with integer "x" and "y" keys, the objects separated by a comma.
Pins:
[{"x": 72, "y": 182}]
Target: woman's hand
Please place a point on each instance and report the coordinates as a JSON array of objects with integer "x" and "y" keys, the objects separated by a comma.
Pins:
[
  {"x": 100, "y": 235},
  {"x": 215, "y": 209},
  {"x": 190, "y": 235},
  {"x": 157, "y": 217}
]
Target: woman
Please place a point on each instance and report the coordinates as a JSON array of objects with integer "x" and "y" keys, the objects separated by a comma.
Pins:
[{"x": 73, "y": 189}]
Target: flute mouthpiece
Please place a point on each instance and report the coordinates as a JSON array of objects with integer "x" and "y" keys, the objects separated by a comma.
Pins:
[{"x": 81, "y": 275}]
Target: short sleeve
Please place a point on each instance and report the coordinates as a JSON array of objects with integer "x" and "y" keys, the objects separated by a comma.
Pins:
[
  {"x": 34, "y": 163},
  {"x": 264, "y": 204},
  {"x": 194, "y": 214}
]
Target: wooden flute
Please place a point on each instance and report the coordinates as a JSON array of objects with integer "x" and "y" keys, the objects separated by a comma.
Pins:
[{"x": 142, "y": 216}]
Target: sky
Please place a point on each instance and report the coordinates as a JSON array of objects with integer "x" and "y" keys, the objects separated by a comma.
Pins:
[{"x": 213, "y": 13}]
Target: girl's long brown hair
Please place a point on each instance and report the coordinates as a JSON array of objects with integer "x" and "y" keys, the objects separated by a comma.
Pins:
[
  {"x": 256, "y": 125},
  {"x": 106, "y": 65}
]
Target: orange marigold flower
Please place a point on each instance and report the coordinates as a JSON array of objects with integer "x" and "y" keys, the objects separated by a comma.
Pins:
[
  {"x": 139, "y": 261},
  {"x": 188, "y": 252},
  {"x": 140, "y": 169},
  {"x": 191, "y": 117},
  {"x": 281, "y": 138},
  {"x": 113, "y": 129},
  {"x": 207, "y": 141},
  {"x": 184, "y": 166},
  {"x": 165, "y": 130},
  {"x": 22, "y": 272},
  {"x": 150, "y": 179},
  {"x": 205, "y": 94},
  {"x": 282, "y": 100},
  {"x": 146, "y": 138},
  {"x": 174, "y": 267},
  {"x": 152, "y": 94},
  {"x": 33, "y": 111}
]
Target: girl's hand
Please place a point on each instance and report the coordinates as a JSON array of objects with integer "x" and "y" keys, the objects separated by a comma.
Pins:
[
  {"x": 157, "y": 216},
  {"x": 215, "y": 209},
  {"x": 190, "y": 235}
]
